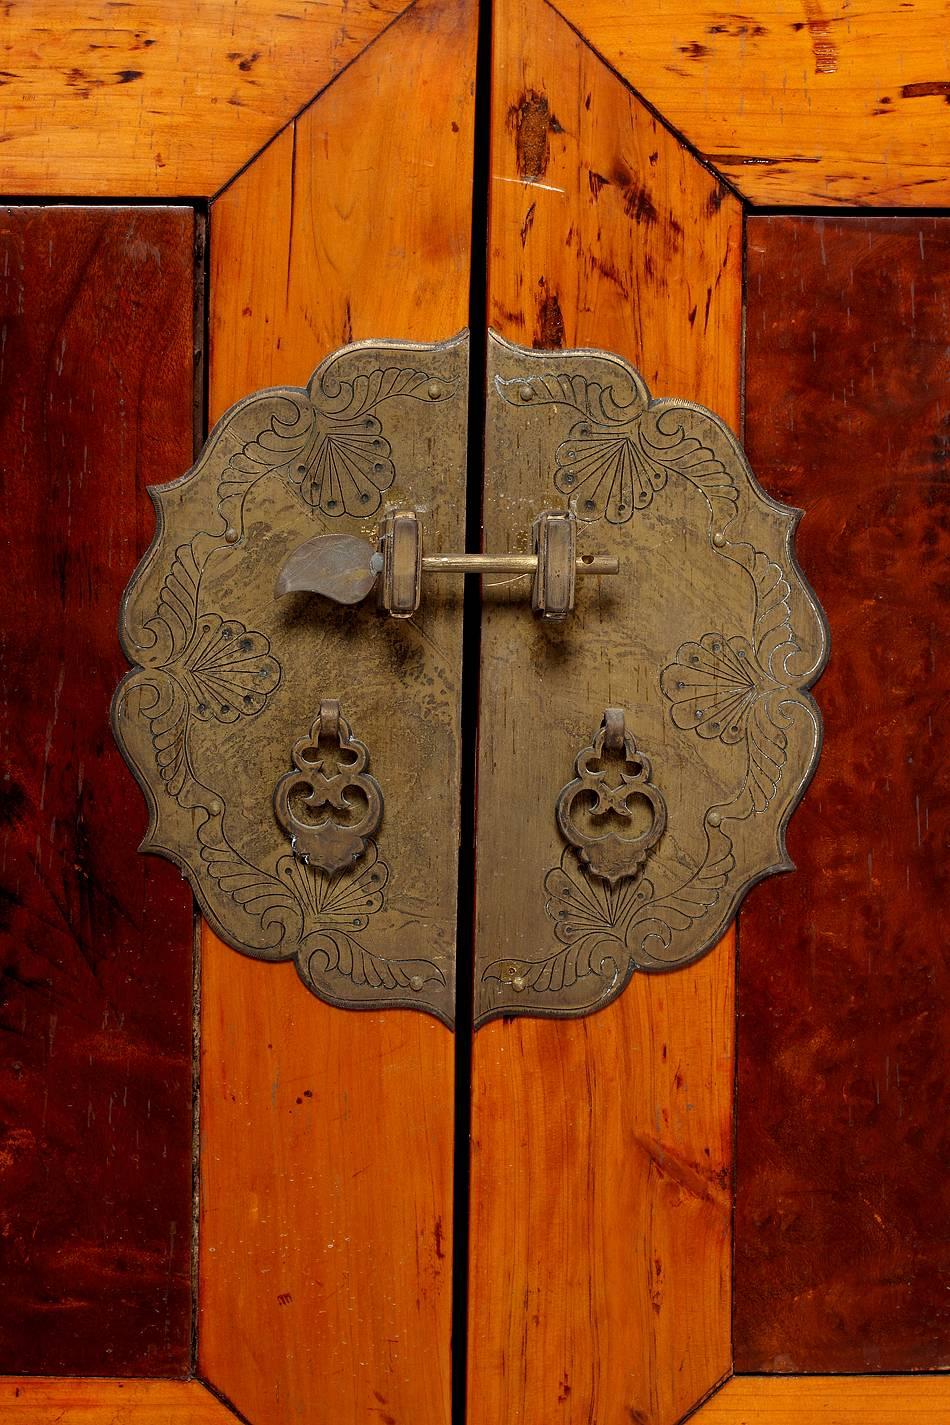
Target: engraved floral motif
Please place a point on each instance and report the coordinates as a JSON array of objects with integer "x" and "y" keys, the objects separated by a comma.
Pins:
[
  {"x": 734, "y": 688},
  {"x": 608, "y": 932},
  {"x": 713, "y": 684},
  {"x": 621, "y": 454},
  {"x": 328, "y": 442},
  {"x": 227, "y": 669},
  {"x": 343, "y": 900}
]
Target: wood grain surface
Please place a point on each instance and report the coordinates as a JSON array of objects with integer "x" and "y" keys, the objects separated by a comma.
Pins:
[
  {"x": 327, "y": 1136},
  {"x": 150, "y": 99},
  {"x": 602, "y": 1147},
  {"x": 829, "y": 1400},
  {"x": 841, "y": 1245},
  {"x": 822, "y": 101},
  {"x": 96, "y": 395},
  {"x": 33, "y": 1400}
]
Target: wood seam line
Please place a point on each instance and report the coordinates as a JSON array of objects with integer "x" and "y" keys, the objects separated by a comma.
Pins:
[
  {"x": 222, "y": 1400},
  {"x": 295, "y": 118},
  {"x": 769, "y": 1380},
  {"x": 711, "y": 1394},
  {"x": 651, "y": 108}
]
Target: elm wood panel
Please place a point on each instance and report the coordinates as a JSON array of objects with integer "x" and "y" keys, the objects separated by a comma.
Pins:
[
  {"x": 368, "y": 220},
  {"x": 601, "y": 1165},
  {"x": 156, "y": 100},
  {"x": 819, "y": 102},
  {"x": 829, "y": 1400},
  {"x": 842, "y": 1129},
  {"x": 33, "y": 1400},
  {"x": 96, "y": 397},
  {"x": 326, "y": 1231},
  {"x": 605, "y": 231}
]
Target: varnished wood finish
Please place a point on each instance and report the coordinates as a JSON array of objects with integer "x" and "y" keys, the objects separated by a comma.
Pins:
[
  {"x": 841, "y": 1239},
  {"x": 600, "y": 219},
  {"x": 327, "y": 1136},
  {"x": 96, "y": 363},
  {"x": 824, "y": 102},
  {"x": 829, "y": 1400},
  {"x": 33, "y": 1400},
  {"x": 838, "y": 105},
  {"x": 602, "y": 1146},
  {"x": 154, "y": 99}
]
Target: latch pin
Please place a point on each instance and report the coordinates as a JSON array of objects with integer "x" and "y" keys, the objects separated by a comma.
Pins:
[{"x": 345, "y": 567}]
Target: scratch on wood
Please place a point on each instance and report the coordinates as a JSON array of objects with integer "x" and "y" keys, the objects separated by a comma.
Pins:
[{"x": 823, "y": 46}]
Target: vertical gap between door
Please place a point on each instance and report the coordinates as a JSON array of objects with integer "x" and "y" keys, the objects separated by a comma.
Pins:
[
  {"x": 734, "y": 1179},
  {"x": 471, "y": 649},
  {"x": 200, "y": 407}
]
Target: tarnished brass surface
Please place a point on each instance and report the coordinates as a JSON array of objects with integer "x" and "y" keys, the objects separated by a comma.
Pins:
[
  {"x": 709, "y": 640},
  {"x": 702, "y": 650},
  {"x": 228, "y": 677}
]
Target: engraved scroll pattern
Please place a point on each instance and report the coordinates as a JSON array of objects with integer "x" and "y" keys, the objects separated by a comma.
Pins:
[
  {"x": 192, "y": 666},
  {"x": 617, "y": 458}
]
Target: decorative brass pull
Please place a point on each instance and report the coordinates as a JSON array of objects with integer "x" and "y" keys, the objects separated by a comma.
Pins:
[
  {"x": 345, "y": 568},
  {"x": 612, "y": 855},
  {"x": 331, "y": 845}
]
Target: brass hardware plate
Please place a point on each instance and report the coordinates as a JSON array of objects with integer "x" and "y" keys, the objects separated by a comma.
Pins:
[
  {"x": 227, "y": 678},
  {"x": 709, "y": 639}
]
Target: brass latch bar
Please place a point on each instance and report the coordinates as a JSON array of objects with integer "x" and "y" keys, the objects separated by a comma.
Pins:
[{"x": 345, "y": 567}]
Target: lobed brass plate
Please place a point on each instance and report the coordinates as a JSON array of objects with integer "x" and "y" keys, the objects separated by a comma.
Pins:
[
  {"x": 708, "y": 640},
  {"x": 694, "y": 661},
  {"x": 227, "y": 678}
]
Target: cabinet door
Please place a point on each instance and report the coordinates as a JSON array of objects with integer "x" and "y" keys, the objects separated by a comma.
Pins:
[
  {"x": 226, "y": 1199},
  {"x": 721, "y": 1170},
  {"x": 282, "y": 179}
]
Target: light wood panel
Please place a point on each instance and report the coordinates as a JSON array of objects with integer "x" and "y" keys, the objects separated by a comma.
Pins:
[
  {"x": 601, "y": 220},
  {"x": 38, "y": 1400},
  {"x": 602, "y": 1147},
  {"x": 829, "y": 1400},
  {"x": 148, "y": 98},
  {"x": 356, "y": 222},
  {"x": 327, "y": 1135},
  {"x": 795, "y": 101}
]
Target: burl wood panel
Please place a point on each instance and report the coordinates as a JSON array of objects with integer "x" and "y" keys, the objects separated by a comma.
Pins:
[
  {"x": 600, "y": 1280},
  {"x": 327, "y": 1135},
  {"x": 33, "y": 1400},
  {"x": 841, "y": 1214},
  {"x": 829, "y": 1400},
  {"x": 148, "y": 98},
  {"x": 823, "y": 101},
  {"x": 96, "y": 395}
]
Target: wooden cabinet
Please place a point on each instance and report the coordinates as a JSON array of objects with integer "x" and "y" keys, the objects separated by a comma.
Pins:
[{"x": 223, "y": 1198}]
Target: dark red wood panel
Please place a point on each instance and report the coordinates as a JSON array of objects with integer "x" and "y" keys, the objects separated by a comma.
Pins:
[
  {"x": 842, "y": 1183},
  {"x": 96, "y": 381}
]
